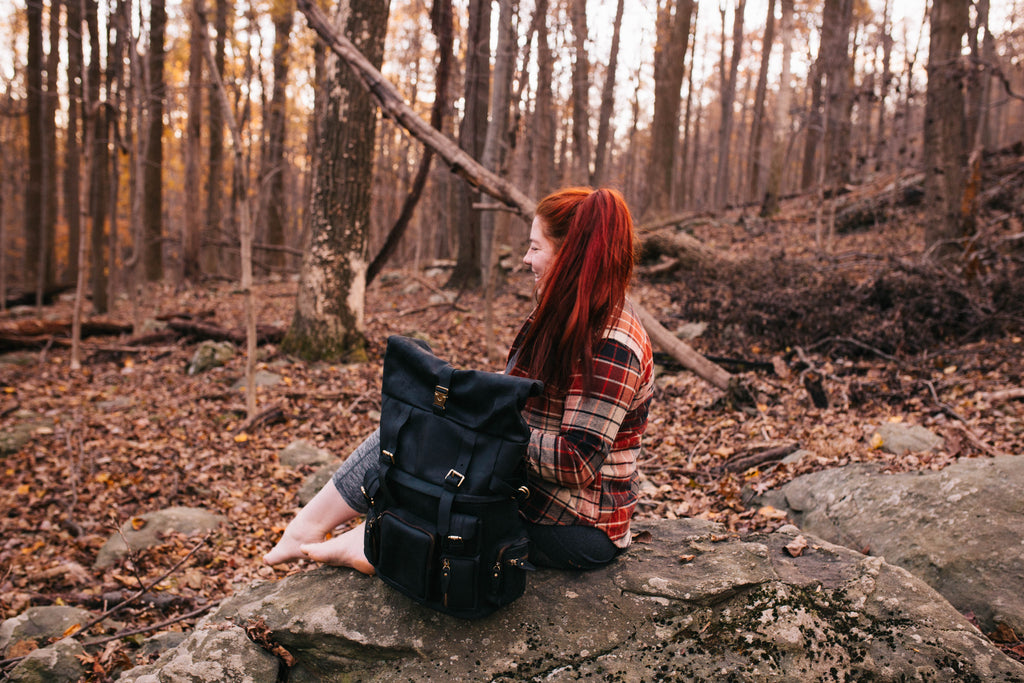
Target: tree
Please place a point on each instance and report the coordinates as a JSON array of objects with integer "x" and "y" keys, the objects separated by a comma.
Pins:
[
  {"x": 780, "y": 123},
  {"x": 209, "y": 249},
  {"x": 152, "y": 219},
  {"x": 98, "y": 178},
  {"x": 607, "y": 101},
  {"x": 192, "y": 232},
  {"x": 945, "y": 129},
  {"x": 543, "y": 113},
  {"x": 673, "y": 34},
  {"x": 722, "y": 175},
  {"x": 35, "y": 248},
  {"x": 467, "y": 272},
  {"x": 580, "y": 93},
  {"x": 757, "y": 121},
  {"x": 328, "y": 321},
  {"x": 274, "y": 169},
  {"x": 72, "y": 150}
]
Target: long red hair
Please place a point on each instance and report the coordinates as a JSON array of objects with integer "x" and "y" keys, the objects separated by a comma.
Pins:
[{"x": 584, "y": 288}]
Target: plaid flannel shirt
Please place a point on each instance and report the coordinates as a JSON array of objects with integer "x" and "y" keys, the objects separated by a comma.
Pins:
[{"x": 584, "y": 449}]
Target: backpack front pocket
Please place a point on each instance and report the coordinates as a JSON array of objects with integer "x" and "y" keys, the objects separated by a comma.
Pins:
[{"x": 406, "y": 553}]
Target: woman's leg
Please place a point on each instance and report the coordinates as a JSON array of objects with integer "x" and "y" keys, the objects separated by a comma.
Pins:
[
  {"x": 337, "y": 502},
  {"x": 569, "y": 547}
]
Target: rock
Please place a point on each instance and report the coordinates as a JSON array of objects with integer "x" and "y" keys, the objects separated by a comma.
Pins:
[
  {"x": 218, "y": 652},
  {"x": 27, "y": 425},
  {"x": 145, "y": 531},
  {"x": 300, "y": 452},
  {"x": 39, "y": 624},
  {"x": 210, "y": 354},
  {"x": 691, "y": 603},
  {"x": 57, "y": 663},
  {"x": 261, "y": 378},
  {"x": 958, "y": 529},
  {"x": 898, "y": 438},
  {"x": 158, "y": 643},
  {"x": 315, "y": 482}
]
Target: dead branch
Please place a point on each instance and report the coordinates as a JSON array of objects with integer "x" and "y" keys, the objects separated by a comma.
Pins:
[
  {"x": 745, "y": 462},
  {"x": 1004, "y": 395},
  {"x": 153, "y": 627},
  {"x": 269, "y": 415},
  {"x": 265, "y": 334}
]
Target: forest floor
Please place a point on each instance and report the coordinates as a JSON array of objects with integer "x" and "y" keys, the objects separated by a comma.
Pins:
[{"x": 886, "y": 337}]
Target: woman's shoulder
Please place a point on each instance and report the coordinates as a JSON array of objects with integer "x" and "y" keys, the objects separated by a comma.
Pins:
[{"x": 627, "y": 329}]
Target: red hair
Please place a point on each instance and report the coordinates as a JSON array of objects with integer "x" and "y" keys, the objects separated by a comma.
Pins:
[{"x": 585, "y": 286}]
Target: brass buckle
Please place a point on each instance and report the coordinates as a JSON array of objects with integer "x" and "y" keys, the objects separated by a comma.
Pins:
[
  {"x": 450, "y": 477},
  {"x": 440, "y": 396},
  {"x": 389, "y": 455}
]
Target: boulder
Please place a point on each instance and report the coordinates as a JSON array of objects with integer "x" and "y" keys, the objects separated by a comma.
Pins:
[
  {"x": 147, "y": 530},
  {"x": 261, "y": 378},
  {"x": 210, "y": 354},
  {"x": 39, "y": 625},
  {"x": 301, "y": 452},
  {"x": 958, "y": 529},
  {"x": 687, "y": 602},
  {"x": 314, "y": 482},
  {"x": 57, "y": 663},
  {"x": 27, "y": 425},
  {"x": 899, "y": 438}
]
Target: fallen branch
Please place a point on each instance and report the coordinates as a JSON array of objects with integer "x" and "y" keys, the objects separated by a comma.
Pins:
[
  {"x": 1004, "y": 395},
  {"x": 268, "y": 415},
  {"x": 745, "y": 462},
  {"x": 153, "y": 627}
]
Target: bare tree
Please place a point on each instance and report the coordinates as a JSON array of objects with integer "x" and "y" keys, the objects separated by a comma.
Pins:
[
  {"x": 607, "y": 100},
  {"x": 153, "y": 261},
  {"x": 757, "y": 120},
  {"x": 673, "y": 33},
  {"x": 543, "y": 113},
  {"x": 274, "y": 166},
  {"x": 780, "y": 122},
  {"x": 72, "y": 149},
  {"x": 945, "y": 130},
  {"x": 35, "y": 248},
  {"x": 98, "y": 178},
  {"x": 192, "y": 232},
  {"x": 580, "y": 92},
  {"x": 728, "y": 96},
  {"x": 209, "y": 250},
  {"x": 329, "y": 309}
]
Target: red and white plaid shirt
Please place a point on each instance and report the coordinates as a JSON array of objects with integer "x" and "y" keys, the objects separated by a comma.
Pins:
[{"x": 583, "y": 449}]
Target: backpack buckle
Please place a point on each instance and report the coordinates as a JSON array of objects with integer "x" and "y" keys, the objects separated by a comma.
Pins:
[
  {"x": 454, "y": 478},
  {"x": 440, "y": 397}
]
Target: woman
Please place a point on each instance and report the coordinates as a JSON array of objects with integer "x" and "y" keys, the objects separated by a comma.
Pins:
[{"x": 590, "y": 350}]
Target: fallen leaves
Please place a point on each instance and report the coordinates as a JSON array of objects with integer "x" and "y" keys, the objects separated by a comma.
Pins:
[{"x": 797, "y": 546}]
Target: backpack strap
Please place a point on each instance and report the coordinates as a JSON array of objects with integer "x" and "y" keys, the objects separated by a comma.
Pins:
[{"x": 452, "y": 481}]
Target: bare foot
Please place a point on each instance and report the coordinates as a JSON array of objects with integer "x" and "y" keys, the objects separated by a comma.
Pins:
[
  {"x": 319, "y": 517},
  {"x": 342, "y": 551}
]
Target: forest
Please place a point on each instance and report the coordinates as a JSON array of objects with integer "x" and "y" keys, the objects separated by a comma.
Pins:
[{"x": 829, "y": 197}]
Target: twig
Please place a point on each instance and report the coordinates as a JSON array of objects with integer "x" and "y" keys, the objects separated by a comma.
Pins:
[
  {"x": 265, "y": 416},
  {"x": 154, "y": 627},
  {"x": 1004, "y": 395},
  {"x": 854, "y": 342}
]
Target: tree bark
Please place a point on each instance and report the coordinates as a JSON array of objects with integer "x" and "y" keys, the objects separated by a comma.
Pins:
[
  {"x": 673, "y": 34},
  {"x": 192, "y": 232},
  {"x": 580, "y": 93},
  {"x": 72, "y": 147},
  {"x": 153, "y": 261},
  {"x": 835, "y": 44},
  {"x": 780, "y": 123},
  {"x": 328, "y": 321},
  {"x": 274, "y": 167},
  {"x": 607, "y": 101},
  {"x": 51, "y": 101},
  {"x": 543, "y": 113},
  {"x": 757, "y": 121},
  {"x": 945, "y": 130},
  {"x": 98, "y": 179},
  {"x": 33, "y": 212},
  {"x": 209, "y": 252},
  {"x": 467, "y": 273},
  {"x": 728, "y": 96}
]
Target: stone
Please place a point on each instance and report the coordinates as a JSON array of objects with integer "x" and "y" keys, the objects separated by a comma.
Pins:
[
  {"x": 57, "y": 663},
  {"x": 958, "y": 529},
  {"x": 210, "y": 354},
  {"x": 300, "y": 452},
  {"x": 40, "y": 624},
  {"x": 145, "y": 531},
  {"x": 261, "y": 378},
  {"x": 898, "y": 438},
  {"x": 689, "y": 603},
  {"x": 27, "y": 424},
  {"x": 314, "y": 482}
]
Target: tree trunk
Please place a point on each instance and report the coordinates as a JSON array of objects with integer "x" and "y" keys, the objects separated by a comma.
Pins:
[
  {"x": 757, "y": 121},
  {"x": 34, "y": 102},
  {"x": 728, "y": 96},
  {"x": 780, "y": 124},
  {"x": 192, "y": 232},
  {"x": 607, "y": 101},
  {"x": 945, "y": 130},
  {"x": 673, "y": 34},
  {"x": 835, "y": 45},
  {"x": 50, "y": 208},
  {"x": 274, "y": 166},
  {"x": 213, "y": 234},
  {"x": 153, "y": 261},
  {"x": 98, "y": 179},
  {"x": 467, "y": 272},
  {"x": 882, "y": 138},
  {"x": 543, "y": 113},
  {"x": 72, "y": 148},
  {"x": 580, "y": 93},
  {"x": 328, "y": 321}
]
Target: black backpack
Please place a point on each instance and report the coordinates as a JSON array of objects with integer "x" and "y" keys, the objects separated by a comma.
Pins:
[{"x": 443, "y": 525}]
